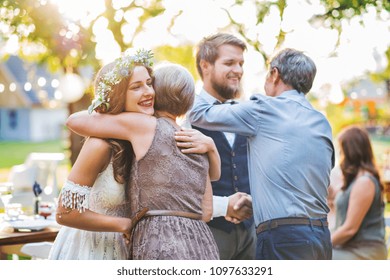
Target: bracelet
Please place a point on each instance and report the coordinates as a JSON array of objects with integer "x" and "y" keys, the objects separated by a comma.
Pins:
[{"x": 63, "y": 213}]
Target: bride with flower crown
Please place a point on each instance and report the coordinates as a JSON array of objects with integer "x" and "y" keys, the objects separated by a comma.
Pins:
[{"x": 93, "y": 205}]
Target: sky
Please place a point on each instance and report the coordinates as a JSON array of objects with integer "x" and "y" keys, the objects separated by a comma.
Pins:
[{"x": 361, "y": 47}]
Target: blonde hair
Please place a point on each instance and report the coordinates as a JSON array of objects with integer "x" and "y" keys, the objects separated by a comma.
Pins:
[{"x": 175, "y": 89}]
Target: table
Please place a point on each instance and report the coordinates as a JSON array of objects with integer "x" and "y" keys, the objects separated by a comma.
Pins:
[{"x": 9, "y": 240}]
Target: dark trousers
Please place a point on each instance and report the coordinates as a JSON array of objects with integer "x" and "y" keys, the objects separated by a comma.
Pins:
[
  {"x": 294, "y": 242},
  {"x": 239, "y": 244}
]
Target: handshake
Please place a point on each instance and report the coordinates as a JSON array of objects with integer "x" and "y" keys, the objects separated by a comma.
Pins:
[{"x": 239, "y": 208}]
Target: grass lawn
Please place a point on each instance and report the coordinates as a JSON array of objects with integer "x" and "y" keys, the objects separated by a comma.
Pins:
[{"x": 13, "y": 153}]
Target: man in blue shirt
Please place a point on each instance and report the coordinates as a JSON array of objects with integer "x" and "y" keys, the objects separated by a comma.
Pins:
[
  {"x": 219, "y": 60},
  {"x": 291, "y": 155}
]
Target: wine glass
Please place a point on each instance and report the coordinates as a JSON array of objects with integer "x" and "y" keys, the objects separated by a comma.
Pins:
[
  {"x": 45, "y": 209},
  {"x": 6, "y": 190}
]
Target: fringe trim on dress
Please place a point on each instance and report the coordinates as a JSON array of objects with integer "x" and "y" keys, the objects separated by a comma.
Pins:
[{"x": 75, "y": 196}]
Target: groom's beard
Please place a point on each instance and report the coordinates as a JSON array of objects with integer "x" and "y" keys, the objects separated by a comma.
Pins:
[{"x": 225, "y": 91}]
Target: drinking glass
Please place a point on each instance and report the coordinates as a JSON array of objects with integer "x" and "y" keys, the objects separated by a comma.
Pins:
[
  {"x": 6, "y": 190},
  {"x": 45, "y": 209},
  {"x": 13, "y": 211}
]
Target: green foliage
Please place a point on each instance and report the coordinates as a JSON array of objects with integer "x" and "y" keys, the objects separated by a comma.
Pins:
[
  {"x": 60, "y": 43},
  {"x": 153, "y": 9},
  {"x": 337, "y": 10},
  {"x": 263, "y": 9},
  {"x": 183, "y": 55},
  {"x": 334, "y": 12},
  {"x": 339, "y": 118},
  {"x": 45, "y": 35}
]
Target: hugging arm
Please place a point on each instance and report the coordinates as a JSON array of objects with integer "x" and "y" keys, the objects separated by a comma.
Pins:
[
  {"x": 107, "y": 125},
  {"x": 73, "y": 206},
  {"x": 207, "y": 202},
  {"x": 242, "y": 118},
  {"x": 193, "y": 141}
]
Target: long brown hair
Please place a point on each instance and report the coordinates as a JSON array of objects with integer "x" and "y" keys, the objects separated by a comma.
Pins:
[
  {"x": 122, "y": 150},
  {"x": 356, "y": 155}
]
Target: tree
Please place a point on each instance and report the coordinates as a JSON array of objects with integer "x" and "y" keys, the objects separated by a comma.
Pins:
[
  {"x": 333, "y": 15},
  {"x": 338, "y": 10},
  {"x": 334, "y": 12},
  {"x": 182, "y": 55},
  {"x": 262, "y": 10},
  {"x": 43, "y": 35},
  {"x": 63, "y": 43}
]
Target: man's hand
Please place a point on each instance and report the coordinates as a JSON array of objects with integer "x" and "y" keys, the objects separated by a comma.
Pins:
[{"x": 239, "y": 208}]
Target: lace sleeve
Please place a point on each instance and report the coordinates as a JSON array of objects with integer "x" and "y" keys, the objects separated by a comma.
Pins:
[{"x": 75, "y": 196}]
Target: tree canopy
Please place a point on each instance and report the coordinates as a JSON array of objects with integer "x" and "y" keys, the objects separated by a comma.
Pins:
[
  {"x": 38, "y": 31},
  {"x": 43, "y": 34},
  {"x": 331, "y": 16}
]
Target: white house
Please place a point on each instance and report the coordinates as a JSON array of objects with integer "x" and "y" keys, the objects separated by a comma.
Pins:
[{"x": 29, "y": 110}]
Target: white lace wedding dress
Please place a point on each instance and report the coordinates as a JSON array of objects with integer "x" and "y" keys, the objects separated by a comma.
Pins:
[{"x": 105, "y": 197}]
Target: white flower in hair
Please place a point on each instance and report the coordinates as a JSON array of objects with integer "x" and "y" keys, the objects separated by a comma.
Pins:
[{"x": 122, "y": 68}]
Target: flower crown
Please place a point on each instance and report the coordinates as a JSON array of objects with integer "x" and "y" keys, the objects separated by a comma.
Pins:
[{"x": 122, "y": 68}]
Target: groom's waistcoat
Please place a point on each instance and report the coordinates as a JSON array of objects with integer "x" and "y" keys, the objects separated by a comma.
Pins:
[{"x": 234, "y": 172}]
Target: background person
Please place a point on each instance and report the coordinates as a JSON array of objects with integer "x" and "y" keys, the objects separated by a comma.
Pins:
[{"x": 360, "y": 225}]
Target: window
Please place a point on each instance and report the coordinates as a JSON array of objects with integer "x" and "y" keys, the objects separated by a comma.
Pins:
[{"x": 13, "y": 119}]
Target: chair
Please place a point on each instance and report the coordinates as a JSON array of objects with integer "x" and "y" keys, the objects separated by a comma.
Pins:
[
  {"x": 38, "y": 167},
  {"x": 38, "y": 250},
  {"x": 22, "y": 177}
]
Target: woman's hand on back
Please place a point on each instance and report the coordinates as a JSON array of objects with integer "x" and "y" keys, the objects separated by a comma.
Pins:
[{"x": 193, "y": 141}]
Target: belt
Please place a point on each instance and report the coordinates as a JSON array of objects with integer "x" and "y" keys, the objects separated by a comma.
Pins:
[
  {"x": 145, "y": 212},
  {"x": 289, "y": 221},
  {"x": 173, "y": 213}
]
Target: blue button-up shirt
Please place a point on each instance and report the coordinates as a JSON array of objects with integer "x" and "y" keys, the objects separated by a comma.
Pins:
[{"x": 290, "y": 152}]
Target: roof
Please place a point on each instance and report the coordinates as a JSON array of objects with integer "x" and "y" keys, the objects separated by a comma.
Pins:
[
  {"x": 366, "y": 89},
  {"x": 22, "y": 72}
]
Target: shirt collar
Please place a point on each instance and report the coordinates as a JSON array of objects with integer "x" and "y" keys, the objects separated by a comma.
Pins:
[
  {"x": 211, "y": 99},
  {"x": 207, "y": 96},
  {"x": 291, "y": 92},
  {"x": 296, "y": 96}
]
